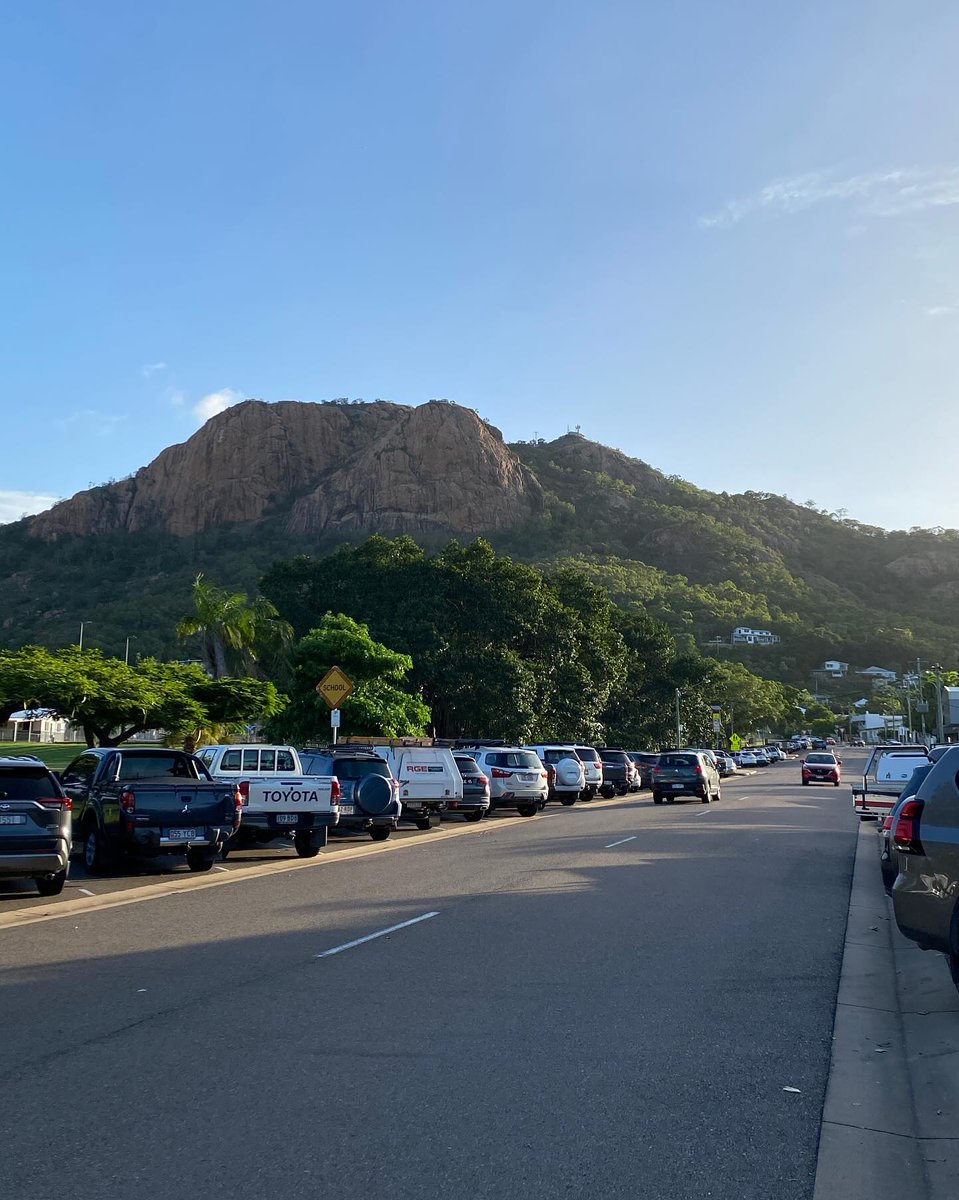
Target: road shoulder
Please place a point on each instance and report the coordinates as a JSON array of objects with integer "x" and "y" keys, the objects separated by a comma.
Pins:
[{"x": 891, "y": 1115}]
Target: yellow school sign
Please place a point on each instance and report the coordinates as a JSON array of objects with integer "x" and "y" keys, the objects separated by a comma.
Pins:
[
  {"x": 335, "y": 687},
  {"x": 735, "y": 742}
]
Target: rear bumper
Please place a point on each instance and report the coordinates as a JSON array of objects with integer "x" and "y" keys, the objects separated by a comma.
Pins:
[
  {"x": 155, "y": 841},
  {"x": 267, "y": 821},
  {"x": 681, "y": 789},
  {"x": 467, "y": 803},
  {"x": 37, "y": 862},
  {"x": 923, "y": 914}
]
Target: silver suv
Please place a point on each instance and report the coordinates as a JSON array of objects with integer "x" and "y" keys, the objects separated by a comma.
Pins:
[
  {"x": 516, "y": 777},
  {"x": 36, "y": 824},
  {"x": 570, "y": 779}
]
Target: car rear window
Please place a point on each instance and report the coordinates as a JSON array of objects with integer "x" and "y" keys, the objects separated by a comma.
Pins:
[
  {"x": 588, "y": 754},
  {"x": 614, "y": 756},
  {"x": 153, "y": 766},
  {"x": 678, "y": 760},
  {"x": 523, "y": 760},
  {"x": 467, "y": 765},
  {"x": 27, "y": 783},
  {"x": 359, "y": 768}
]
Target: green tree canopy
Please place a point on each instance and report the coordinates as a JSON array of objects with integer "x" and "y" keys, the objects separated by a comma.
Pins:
[{"x": 235, "y": 634}]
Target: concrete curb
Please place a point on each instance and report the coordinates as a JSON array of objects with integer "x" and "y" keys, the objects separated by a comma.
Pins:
[{"x": 890, "y": 1126}]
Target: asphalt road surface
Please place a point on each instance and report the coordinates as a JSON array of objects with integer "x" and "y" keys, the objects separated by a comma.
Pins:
[{"x": 613, "y": 1000}]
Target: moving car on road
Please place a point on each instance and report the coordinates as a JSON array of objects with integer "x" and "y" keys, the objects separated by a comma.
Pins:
[
  {"x": 685, "y": 773},
  {"x": 36, "y": 827},
  {"x": 821, "y": 767}
]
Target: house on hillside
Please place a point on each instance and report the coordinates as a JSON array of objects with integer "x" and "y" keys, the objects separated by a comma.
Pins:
[
  {"x": 835, "y": 669},
  {"x": 879, "y": 674},
  {"x": 880, "y": 727},
  {"x": 742, "y": 635}
]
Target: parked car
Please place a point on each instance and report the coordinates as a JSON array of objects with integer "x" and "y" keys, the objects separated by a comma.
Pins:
[
  {"x": 36, "y": 826},
  {"x": 619, "y": 771},
  {"x": 888, "y": 855},
  {"x": 685, "y": 773},
  {"x": 570, "y": 778},
  {"x": 592, "y": 770},
  {"x": 645, "y": 761},
  {"x": 746, "y": 758},
  {"x": 726, "y": 764},
  {"x": 776, "y": 753},
  {"x": 369, "y": 793},
  {"x": 475, "y": 802},
  {"x": 280, "y": 801},
  {"x": 148, "y": 801},
  {"x": 517, "y": 778},
  {"x": 821, "y": 767},
  {"x": 925, "y": 834},
  {"x": 429, "y": 780}
]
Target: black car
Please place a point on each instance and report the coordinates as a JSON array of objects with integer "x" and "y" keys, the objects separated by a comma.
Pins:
[
  {"x": 617, "y": 771},
  {"x": 645, "y": 761},
  {"x": 35, "y": 824},
  {"x": 888, "y": 855},
  {"x": 475, "y": 802},
  {"x": 368, "y": 791}
]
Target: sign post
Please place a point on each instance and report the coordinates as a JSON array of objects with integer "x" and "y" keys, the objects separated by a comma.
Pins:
[{"x": 335, "y": 687}]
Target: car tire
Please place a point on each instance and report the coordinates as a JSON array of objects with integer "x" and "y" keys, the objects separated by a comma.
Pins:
[
  {"x": 379, "y": 833},
  {"x": 568, "y": 801},
  {"x": 474, "y": 814},
  {"x": 526, "y": 810},
  {"x": 95, "y": 857},
  {"x": 304, "y": 845},
  {"x": 805, "y": 783},
  {"x": 836, "y": 784},
  {"x": 657, "y": 798},
  {"x": 705, "y": 799},
  {"x": 52, "y": 885},
  {"x": 225, "y": 851},
  {"x": 423, "y": 823},
  {"x": 718, "y": 794},
  {"x": 199, "y": 860}
]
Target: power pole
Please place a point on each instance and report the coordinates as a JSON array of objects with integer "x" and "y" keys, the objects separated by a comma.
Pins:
[{"x": 679, "y": 727}]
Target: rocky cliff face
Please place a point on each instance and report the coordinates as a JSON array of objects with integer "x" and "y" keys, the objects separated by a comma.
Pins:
[{"x": 329, "y": 468}]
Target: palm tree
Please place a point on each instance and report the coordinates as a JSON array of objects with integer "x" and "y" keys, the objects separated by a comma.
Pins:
[{"x": 235, "y": 634}]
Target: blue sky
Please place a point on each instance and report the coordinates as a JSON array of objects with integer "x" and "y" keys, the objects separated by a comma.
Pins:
[{"x": 721, "y": 235}]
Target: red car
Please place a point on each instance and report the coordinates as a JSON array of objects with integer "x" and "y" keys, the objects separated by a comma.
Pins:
[{"x": 820, "y": 767}]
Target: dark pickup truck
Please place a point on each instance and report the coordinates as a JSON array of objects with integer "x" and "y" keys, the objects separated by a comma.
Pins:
[{"x": 148, "y": 801}]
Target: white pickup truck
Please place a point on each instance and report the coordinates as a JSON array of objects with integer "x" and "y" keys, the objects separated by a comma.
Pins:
[
  {"x": 280, "y": 801},
  {"x": 886, "y": 773}
]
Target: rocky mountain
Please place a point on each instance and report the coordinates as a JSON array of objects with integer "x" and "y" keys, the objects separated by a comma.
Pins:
[
  {"x": 262, "y": 482},
  {"x": 333, "y": 469}
]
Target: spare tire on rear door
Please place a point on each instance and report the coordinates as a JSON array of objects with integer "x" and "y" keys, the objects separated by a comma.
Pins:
[
  {"x": 374, "y": 794},
  {"x": 568, "y": 773}
]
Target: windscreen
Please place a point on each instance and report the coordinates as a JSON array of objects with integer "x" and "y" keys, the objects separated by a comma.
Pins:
[
  {"x": 156, "y": 766},
  {"x": 827, "y": 759},
  {"x": 521, "y": 760},
  {"x": 678, "y": 760}
]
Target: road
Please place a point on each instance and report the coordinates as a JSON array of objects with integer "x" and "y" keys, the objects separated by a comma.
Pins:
[{"x": 604, "y": 1001}]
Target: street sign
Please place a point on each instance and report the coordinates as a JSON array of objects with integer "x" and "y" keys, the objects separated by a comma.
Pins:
[
  {"x": 335, "y": 687},
  {"x": 735, "y": 742},
  {"x": 334, "y": 718},
  {"x": 717, "y": 725}
]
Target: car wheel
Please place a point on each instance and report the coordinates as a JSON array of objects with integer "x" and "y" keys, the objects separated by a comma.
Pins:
[
  {"x": 52, "y": 885},
  {"x": 527, "y": 810},
  {"x": 567, "y": 800},
  {"x": 836, "y": 784},
  {"x": 657, "y": 798},
  {"x": 225, "y": 851},
  {"x": 718, "y": 794},
  {"x": 607, "y": 793},
  {"x": 304, "y": 845},
  {"x": 379, "y": 833},
  {"x": 705, "y": 799},
  {"x": 805, "y": 783},
  {"x": 421, "y": 822},
  {"x": 94, "y": 852},
  {"x": 198, "y": 859},
  {"x": 474, "y": 814}
]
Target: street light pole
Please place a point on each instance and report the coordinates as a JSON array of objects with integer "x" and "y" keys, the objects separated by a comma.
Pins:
[
  {"x": 126, "y": 653},
  {"x": 82, "y": 623},
  {"x": 679, "y": 727},
  {"x": 940, "y": 727}
]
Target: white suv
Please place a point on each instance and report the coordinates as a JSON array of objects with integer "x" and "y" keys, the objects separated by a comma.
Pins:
[
  {"x": 516, "y": 777},
  {"x": 570, "y": 775}
]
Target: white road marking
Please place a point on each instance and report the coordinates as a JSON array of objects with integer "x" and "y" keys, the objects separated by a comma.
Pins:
[
  {"x": 86, "y": 891},
  {"x": 621, "y": 843},
  {"x": 704, "y": 812},
  {"x": 380, "y": 933},
  {"x": 218, "y": 868}
]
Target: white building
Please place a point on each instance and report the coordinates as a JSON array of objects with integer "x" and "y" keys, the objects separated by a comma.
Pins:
[
  {"x": 38, "y": 725},
  {"x": 880, "y": 727},
  {"x": 879, "y": 673},
  {"x": 744, "y": 636},
  {"x": 838, "y": 670}
]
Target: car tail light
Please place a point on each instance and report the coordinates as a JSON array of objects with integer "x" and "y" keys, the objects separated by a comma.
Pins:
[
  {"x": 128, "y": 802},
  {"x": 237, "y": 807},
  {"x": 499, "y": 773},
  {"x": 244, "y": 789},
  {"x": 698, "y": 769},
  {"x": 56, "y": 802},
  {"x": 482, "y": 780},
  {"x": 887, "y": 824},
  {"x": 905, "y": 833},
  {"x": 657, "y": 770},
  {"x": 335, "y": 792}
]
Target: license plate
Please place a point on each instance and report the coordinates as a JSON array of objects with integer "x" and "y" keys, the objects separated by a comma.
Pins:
[
  {"x": 13, "y": 819},
  {"x": 526, "y": 778},
  {"x": 181, "y": 835},
  {"x": 679, "y": 786},
  {"x": 347, "y": 810},
  {"x": 287, "y": 818}
]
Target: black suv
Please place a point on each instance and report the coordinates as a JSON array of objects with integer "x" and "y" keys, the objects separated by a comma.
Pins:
[
  {"x": 617, "y": 771},
  {"x": 368, "y": 791},
  {"x": 36, "y": 824}
]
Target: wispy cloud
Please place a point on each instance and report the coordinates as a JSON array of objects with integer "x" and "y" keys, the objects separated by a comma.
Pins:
[
  {"x": 875, "y": 194},
  {"x": 215, "y": 402},
  {"x": 942, "y": 310},
  {"x": 152, "y": 368},
  {"x": 92, "y": 421},
  {"x": 14, "y": 505}
]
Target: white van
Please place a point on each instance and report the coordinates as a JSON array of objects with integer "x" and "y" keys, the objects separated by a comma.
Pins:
[{"x": 429, "y": 779}]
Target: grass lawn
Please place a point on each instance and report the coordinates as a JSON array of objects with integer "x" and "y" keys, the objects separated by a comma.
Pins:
[{"x": 55, "y": 754}]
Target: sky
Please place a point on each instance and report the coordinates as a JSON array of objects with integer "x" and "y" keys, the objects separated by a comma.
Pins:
[{"x": 720, "y": 235}]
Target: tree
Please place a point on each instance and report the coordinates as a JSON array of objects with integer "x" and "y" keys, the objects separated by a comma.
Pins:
[
  {"x": 380, "y": 704},
  {"x": 235, "y": 634}
]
